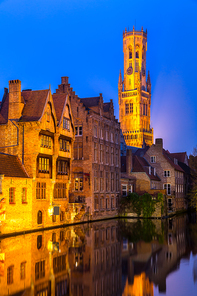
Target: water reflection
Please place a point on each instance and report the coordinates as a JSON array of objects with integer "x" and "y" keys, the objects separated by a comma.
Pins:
[{"x": 115, "y": 257}]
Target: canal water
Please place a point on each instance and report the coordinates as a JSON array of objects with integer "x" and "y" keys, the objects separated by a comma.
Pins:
[{"x": 113, "y": 257}]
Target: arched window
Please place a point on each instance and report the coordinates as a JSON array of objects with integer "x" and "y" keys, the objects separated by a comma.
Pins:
[
  {"x": 137, "y": 55},
  {"x": 130, "y": 53},
  {"x": 39, "y": 217}
]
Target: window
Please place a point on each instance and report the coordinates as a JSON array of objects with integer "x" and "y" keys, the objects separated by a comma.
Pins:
[
  {"x": 136, "y": 66},
  {"x": 130, "y": 54},
  {"x": 39, "y": 270},
  {"x": 107, "y": 155},
  {"x": 10, "y": 275},
  {"x": 112, "y": 181},
  {"x": 11, "y": 195},
  {"x": 117, "y": 182},
  {"x": 95, "y": 131},
  {"x": 96, "y": 203},
  {"x": 59, "y": 264},
  {"x": 107, "y": 203},
  {"x": 61, "y": 216},
  {"x": 43, "y": 165},
  {"x": 45, "y": 141},
  {"x": 40, "y": 190},
  {"x": 168, "y": 188},
  {"x": 78, "y": 150},
  {"x": 101, "y": 153},
  {"x": 22, "y": 270},
  {"x": 53, "y": 218},
  {"x": 112, "y": 137},
  {"x": 153, "y": 159},
  {"x": 95, "y": 181},
  {"x": 39, "y": 242},
  {"x": 126, "y": 108},
  {"x": 137, "y": 55},
  {"x": 60, "y": 190},
  {"x": 39, "y": 217},
  {"x": 95, "y": 152},
  {"x": 64, "y": 145},
  {"x": 62, "y": 167},
  {"x": 107, "y": 181},
  {"x": 78, "y": 181},
  {"x": 24, "y": 195},
  {"x": 124, "y": 190},
  {"x": 112, "y": 155},
  {"x": 130, "y": 188},
  {"x": 101, "y": 181},
  {"x": 112, "y": 202},
  {"x": 78, "y": 130},
  {"x": 106, "y": 135},
  {"x": 116, "y": 160},
  {"x": 66, "y": 123},
  {"x": 166, "y": 173},
  {"x": 175, "y": 161},
  {"x": 131, "y": 108},
  {"x": 101, "y": 133}
]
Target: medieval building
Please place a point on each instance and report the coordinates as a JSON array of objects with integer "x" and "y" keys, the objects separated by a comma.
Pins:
[
  {"x": 96, "y": 160},
  {"x": 134, "y": 92},
  {"x": 39, "y": 129}
]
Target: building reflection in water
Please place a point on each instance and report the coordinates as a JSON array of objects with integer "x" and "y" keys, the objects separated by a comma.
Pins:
[{"x": 99, "y": 259}]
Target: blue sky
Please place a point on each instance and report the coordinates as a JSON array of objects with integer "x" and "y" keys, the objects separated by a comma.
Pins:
[{"x": 42, "y": 40}]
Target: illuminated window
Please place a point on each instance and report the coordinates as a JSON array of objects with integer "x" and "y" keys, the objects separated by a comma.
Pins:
[
  {"x": 131, "y": 108},
  {"x": 60, "y": 190},
  {"x": 166, "y": 173},
  {"x": 78, "y": 130},
  {"x": 44, "y": 165},
  {"x": 11, "y": 195},
  {"x": 66, "y": 123},
  {"x": 62, "y": 167},
  {"x": 64, "y": 145},
  {"x": 136, "y": 66},
  {"x": 40, "y": 270},
  {"x": 10, "y": 275},
  {"x": 22, "y": 270},
  {"x": 24, "y": 195},
  {"x": 78, "y": 177},
  {"x": 45, "y": 141},
  {"x": 153, "y": 159},
  {"x": 168, "y": 188},
  {"x": 39, "y": 217},
  {"x": 40, "y": 190},
  {"x": 59, "y": 264}
]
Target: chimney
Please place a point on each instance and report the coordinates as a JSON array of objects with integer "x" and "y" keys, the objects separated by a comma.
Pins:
[
  {"x": 64, "y": 80},
  {"x": 129, "y": 161},
  {"x": 159, "y": 143},
  {"x": 15, "y": 102}
]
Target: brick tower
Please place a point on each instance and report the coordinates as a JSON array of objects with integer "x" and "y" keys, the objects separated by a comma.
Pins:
[{"x": 134, "y": 92}]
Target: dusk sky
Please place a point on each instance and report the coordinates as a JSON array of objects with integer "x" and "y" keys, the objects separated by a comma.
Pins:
[{"x": 42, "y": 40}]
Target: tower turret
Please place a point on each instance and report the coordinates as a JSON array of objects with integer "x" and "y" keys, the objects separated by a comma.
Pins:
[{"x": 134, "y": 91}]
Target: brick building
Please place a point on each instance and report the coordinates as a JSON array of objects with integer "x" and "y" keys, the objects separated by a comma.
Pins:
[
  {"x": 39, "y": 129},
  {"x": 96, "y": 160}
]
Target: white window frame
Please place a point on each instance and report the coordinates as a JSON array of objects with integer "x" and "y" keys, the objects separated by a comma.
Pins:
[
  {"x": 153, "y": 159},
  {"x": 167, "y": 186}
]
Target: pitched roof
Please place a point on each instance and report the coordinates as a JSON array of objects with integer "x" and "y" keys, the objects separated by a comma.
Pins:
[
  {"x": 59, "y": 101},
  {"x": 180, "y": 156},
  {"x": 141, "y": 165},
  {"x": 169, "y": 157},
  {"x": 11, "y": 166},
  {"x": 90, "y": 102},
  {"x": 34, "y": 104}
]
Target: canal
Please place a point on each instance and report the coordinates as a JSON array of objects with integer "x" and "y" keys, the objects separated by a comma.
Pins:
[{"x": 113, "y": 257}]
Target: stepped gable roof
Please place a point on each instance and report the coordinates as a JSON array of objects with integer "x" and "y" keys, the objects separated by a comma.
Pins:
[
  {"x": 106, "y": 107},
  {"x": 180, "y": 156},
  {"x": 90, "y": 102},
  {"x": 140, "y": 164},
  {"x": 4, "y": 110},
  {"x": 34, "y": 104},
  {"x": 11, "y": 166},
  {"x": 59, "y": 101},
  {"x": 169, "y": 157}
]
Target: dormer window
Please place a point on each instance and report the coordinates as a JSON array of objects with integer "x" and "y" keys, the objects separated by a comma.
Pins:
[
  {"x": 66, "y": 123},
  {"x": 153, "y": 159}
]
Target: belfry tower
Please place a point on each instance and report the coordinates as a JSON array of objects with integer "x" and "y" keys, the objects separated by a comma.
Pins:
[{"x": 134, "y": 92}]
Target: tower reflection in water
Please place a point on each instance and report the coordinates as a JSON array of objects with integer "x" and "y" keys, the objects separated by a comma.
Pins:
[{"x": 99, "y": 259}]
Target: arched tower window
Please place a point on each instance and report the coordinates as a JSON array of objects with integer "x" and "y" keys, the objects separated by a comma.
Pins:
[
  {"x": 130, "y": 53},
  {"x": 39, "y": 217},
  {"x": 39, "y": 242},
  {"x": 137, "y": 55}
]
